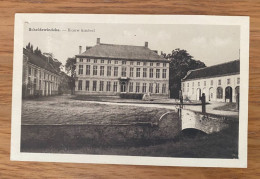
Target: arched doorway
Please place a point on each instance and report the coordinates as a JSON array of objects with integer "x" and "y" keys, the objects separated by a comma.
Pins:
[
  {"x": 198, "y": 94},
  {"x": 211, "y": 94},
  {"x": 237, "y": 92},
  {"x": 228, "y": 94},
  {"x": 219, "y": 93}
]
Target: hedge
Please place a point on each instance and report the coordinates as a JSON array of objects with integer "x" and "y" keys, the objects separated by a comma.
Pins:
[{"x": 131, "y": 96}]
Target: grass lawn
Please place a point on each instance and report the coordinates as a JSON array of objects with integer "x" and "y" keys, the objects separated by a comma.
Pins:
[
  {"x": 227, "y": 107},
  {"x": 62, "y": 110}
]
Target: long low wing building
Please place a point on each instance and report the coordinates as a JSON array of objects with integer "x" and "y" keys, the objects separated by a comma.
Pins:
[
  {"x": 219, "y": 82},
  {"x": 113, "y": 69},
  {"x": 40, "y": 74}
]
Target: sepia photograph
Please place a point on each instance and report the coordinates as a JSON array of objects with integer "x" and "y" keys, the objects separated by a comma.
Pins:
[{"x": 112, "y": 89}]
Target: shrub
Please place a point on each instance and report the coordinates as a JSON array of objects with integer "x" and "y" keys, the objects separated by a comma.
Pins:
[{"x": 131, "y": 96}]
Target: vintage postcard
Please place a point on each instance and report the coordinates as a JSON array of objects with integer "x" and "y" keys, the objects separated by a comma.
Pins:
[{"x": 160, "y": 90}]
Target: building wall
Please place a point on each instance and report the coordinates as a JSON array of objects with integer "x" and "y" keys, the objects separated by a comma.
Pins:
[
  {"x": 192, "y": 89},
  {"x": 38, "y": 81},
  {"x": 128, "y": 78}
]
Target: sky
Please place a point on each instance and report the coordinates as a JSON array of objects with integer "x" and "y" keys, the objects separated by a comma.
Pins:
[{"x": 211, "y": 44}]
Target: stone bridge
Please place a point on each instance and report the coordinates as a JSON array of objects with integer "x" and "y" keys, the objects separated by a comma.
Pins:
[{"x": 206, "y": 123}]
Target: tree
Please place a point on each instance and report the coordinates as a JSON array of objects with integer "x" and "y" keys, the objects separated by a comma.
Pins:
[
  {"x": 180, "y": 63},
  {"x": 70, "y": 68}
]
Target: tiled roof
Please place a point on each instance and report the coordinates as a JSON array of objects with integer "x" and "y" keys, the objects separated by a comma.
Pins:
[
  {"x": 40, "y": 61},
  {"x": 232, "y": 67},
  {"x": 128, "y": 52}
]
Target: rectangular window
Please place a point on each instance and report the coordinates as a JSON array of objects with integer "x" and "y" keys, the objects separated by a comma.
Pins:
[
  {"x": 34, "y": 84},
  {"x": 109, "y": 61},
  {"x": 157, "y": 73},
  {"x": 144, "y": 63},
  {"x": 101, "y": 85},
  {"x": 131, "y": 72},
  {"x": 44, "y": 75},
  {"x": 87, "y": 85},
  {"x": 198, "y": 83},
  {"x": 81, "y": 60},
  {"x": 144, "y": 72},
  {"x": 115, "y": 86},
  {"x": 131, "y": 63},
  {"x": 35, "y": 72},
  {"x": 95, "y": 60},
  {"x": 87, "y": 69},
  {"x": 116, "y": 62},
  {"x": 238, "y": 80},
  {"x": 109, "y": 70},
  {"x": 137, "y": 72},
  {"x": 164, "y": 64},
  {"x": 151, "y": 64},
  {"x": 144, "y": 88},
  {"x": 158, "y": 64},
  {"x": 94, "y": 70},
  {"x": 151, "y": 73},
  {"x": 115, "y": 71},
  {"x": 205, "y": 83},
  {"x": 188, "y": 84},
  {"x": 131, "y": 87},
  {"x": 164, "y": 88},
  {"x": 29, "y": 71},
  {"x": 137, "y": 87},
  {"x": 80, "y": 69},
  {"x": 157, "y": 88},
  {"x": 102, "y": 61},
  {"x": 138, "y": 63},
  {"x": 40, "y": 84},
  {"x": 123, "y": 72},
  {"x": 193, "y": 84},
  {"x": 150, "y": 87},
  {"x": 219, "y": 82},
  {"x": 211, "y": 82},
  {"x": 164, "y": 73},
  {"x": 228, "y": 81},
  {"x": 192, "y": 90},
  {"x": 94, "y": 86},
  {"x": 88, "y": 60},
  {"x": 102, "y": 70},
  {"x": 108, "y": 85},
  {"x": 123, "y": 62},
  {"x": 29, "y": 79},
  {"x": 80, "y": 85}
]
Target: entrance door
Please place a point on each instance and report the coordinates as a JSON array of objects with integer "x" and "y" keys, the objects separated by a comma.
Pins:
[
  {"x": 123, "y": 87},
  {"x": 228, "y": 94}
]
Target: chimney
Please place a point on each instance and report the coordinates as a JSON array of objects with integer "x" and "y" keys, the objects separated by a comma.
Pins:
[
  {"x": 80, "y": 48},
  {"x": 146, "y": 44},
  {"x": 98, "y": 41}
]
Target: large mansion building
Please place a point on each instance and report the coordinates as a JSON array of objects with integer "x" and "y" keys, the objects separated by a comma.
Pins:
[
  {"x": 113, "y": 69},
  {"x": 219, "y": 82},
  {"x": 40, "y": 76}
]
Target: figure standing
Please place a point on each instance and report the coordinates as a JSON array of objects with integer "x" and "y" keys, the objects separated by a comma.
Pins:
[
  {"x": 203, "y": 103},
  {"x": 181, "y": 101}
]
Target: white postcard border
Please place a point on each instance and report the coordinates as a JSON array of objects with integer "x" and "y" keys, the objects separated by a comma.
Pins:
[{"x": 20, "y": 19}]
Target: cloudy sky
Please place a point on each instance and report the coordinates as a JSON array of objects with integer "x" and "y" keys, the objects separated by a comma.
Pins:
[{"x": 211, "y": 44}]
